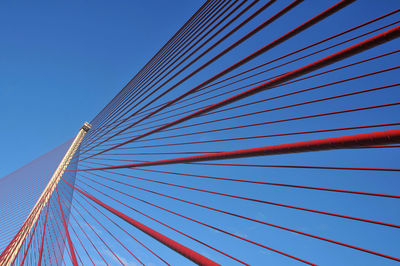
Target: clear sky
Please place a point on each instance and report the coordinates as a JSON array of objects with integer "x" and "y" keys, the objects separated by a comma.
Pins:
[{"x": 62, "y": 61}]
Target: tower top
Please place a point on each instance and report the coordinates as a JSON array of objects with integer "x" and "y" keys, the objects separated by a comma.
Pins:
[{"x": 86, "y": 126}]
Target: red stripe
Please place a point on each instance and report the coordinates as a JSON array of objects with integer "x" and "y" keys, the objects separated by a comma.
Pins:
[
  {"x": 351, "y": 141},
  {"x": 186, "y": 252},
  {"x": 71, "y": 247}
]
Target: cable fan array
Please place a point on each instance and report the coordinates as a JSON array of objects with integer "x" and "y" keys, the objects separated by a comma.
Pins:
[{"x": 262, "y": 132}]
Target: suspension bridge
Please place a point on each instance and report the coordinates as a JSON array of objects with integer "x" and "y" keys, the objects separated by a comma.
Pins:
[{"x": 261, "y": 133}]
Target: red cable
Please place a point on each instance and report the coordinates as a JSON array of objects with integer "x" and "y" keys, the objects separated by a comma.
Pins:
[
  {"x": 266, "y": 71},
  {"x": 269, "y": 202},
  {"x": 188, "y": 253},
  {"x": 267, "y": 22},
  {"x": 196, "y": 221},
  {"x": 206, "y": 51},
  {"x": 164, "y": 52},
  {"x": 115, "y": 255},
  {"x": 197, "y": 58},
  {"x": 307, "y": 47},
  {"x": 60, "y": 232},
  {"x": 130, "y": 252},
  {"x": 30, "y": 240},
  {"x": 43, "y": 233},
  {"x": 91, "y": 242},
  {"x": 71, "y": 247},
  {"x": 269, "y": 110},
  {"x": 54, "y": 252},
  {"x": 264, "y": 183},
  {"x": 243, "y": 217},
  {"x": 357, "y": 48},
  {"x": 282, "y": 120},
  {"x": 343, "y": 142},
  {"x": 300, "y": 166},
  {"x": 279, "y": 96},
  {"x": 217, "y": 9}
]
